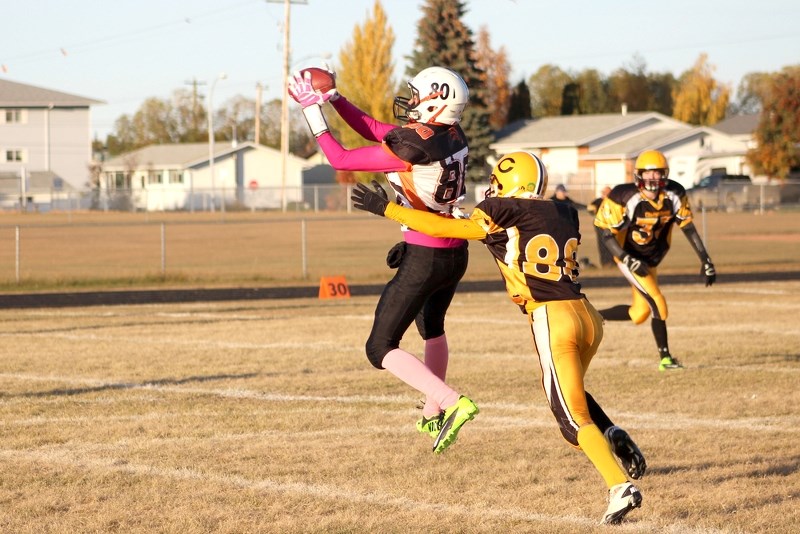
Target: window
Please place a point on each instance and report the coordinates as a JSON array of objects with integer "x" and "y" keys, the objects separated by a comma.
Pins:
[
  {"x": 175, "y": 177},
  {"x": 14, "y": 156},
  {"x": 155, "y": 177},
  {"x": 13, "y": 116}
]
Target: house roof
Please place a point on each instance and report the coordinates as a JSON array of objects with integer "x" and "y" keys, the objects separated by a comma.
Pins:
[
  {"x": 38, "y": 182},
  {"x": 13, "y": 94},
  {"x": 572, "y": 130},
  {"x": 738, "y": 124},
  {"x": 634, "y": 144},
  {"x": 181, "y": 155},
  {"x": 178, "y": 155}
]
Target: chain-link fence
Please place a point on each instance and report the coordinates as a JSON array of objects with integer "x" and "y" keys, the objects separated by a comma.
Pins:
[{"x": 336, "y": 198}]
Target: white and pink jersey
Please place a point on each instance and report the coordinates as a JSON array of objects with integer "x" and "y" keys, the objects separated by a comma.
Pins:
[{"x": 424, "y": 163}]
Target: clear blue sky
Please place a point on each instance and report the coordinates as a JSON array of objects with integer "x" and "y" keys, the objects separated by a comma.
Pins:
[{"x": 124, "y": 51}]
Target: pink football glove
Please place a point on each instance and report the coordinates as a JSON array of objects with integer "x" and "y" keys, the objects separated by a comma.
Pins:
[{"x": 303, "y": 92}]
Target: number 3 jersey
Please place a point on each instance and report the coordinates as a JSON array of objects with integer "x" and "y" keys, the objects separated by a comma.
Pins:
[
  {"x": 643, "y": 227},
  {"x": 535, "y": 244}
]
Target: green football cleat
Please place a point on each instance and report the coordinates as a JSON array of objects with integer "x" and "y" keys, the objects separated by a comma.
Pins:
[
  {"x": 430, "y": 426},
  {"x": 668, "y": 363},
  {"x": 453, "y": 419}
]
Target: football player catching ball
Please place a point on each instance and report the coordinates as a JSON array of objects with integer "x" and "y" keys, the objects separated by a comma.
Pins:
[{"x": 425, "y": 162}]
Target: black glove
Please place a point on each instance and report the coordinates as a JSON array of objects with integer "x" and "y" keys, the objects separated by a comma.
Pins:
[
  {"x": 366, "y": 199},
  {"x": 709, "y": 272},
  {"x": 635, "y": 265}
]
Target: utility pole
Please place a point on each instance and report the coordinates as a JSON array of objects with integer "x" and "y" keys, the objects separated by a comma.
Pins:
[
  {"x": 285, "y": 96},
  {"x": 258, "y": 113},
  {"x": 195, "y": 110}
]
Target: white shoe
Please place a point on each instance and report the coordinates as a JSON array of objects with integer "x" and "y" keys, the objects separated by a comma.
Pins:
[{"x": 622, "y": 498}]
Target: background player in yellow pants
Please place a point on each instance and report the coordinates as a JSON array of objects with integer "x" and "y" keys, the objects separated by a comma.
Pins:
[
  {"x": 535, "y": 242},
  {"x": 636, "y": 221}
]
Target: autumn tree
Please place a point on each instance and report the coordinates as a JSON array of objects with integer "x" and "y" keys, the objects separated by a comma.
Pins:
[
  {"x": 365, "y": 77},
  {"x": 699, "y": 98},
  {"x": 495, "y": 72},
  {"x": 443, "y": 39},
  {"x": 778, "y": 132},
  {"x": 751, "y": 93}
]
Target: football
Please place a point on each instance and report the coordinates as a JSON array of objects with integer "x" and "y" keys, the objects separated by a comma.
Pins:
[{"x": 321, "y": 79}]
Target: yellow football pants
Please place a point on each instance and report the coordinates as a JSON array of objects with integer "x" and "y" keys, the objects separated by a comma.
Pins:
[{"x": 566, "y": 334}]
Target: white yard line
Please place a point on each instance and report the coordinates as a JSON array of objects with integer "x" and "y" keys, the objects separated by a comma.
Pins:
[{"x": 655, "y": 421}]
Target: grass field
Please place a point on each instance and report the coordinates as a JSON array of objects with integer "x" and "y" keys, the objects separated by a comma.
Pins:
[{"x": 265, "y": 416}]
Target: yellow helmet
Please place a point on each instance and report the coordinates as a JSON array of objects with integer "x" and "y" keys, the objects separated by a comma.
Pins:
[
  {"x": 518, "y": 175},
  {"x": 651, "y": 160}
]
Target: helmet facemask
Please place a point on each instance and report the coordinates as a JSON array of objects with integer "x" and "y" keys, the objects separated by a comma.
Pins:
[
  {"x": 655, "y": 164},
  {"x": 438, "y": 96},
  {"x": 403, "y": 107},
  {"x": 654, "y": 182}
]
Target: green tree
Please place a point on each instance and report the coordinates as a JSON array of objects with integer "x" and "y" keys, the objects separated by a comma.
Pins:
[
  {"x": 778, "y": 132},
  {"x": 365, "y": 77},
  {"x": 699, "y": 98},
  {"x": 593, "y": 92},
  {"x": 547, "y": 87},
  {"x": 520, "y": 105},
  {"x": 661, "y": 88},
  {"x": 629, "y": 85},
  {"x": 443, "y": 39}
]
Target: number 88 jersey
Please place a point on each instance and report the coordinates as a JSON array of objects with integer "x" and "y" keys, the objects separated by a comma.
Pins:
[{"x": 535, "y": 244}]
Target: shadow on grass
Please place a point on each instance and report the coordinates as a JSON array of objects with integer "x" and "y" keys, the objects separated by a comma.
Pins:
[{"x": 134, "y": 385}]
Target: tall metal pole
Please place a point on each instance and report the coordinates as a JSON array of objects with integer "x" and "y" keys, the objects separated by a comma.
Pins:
[
  {"x": 221, "y": 76},
  {"x": 258, "y": 114},
  {"x": 285, "y": 103}
]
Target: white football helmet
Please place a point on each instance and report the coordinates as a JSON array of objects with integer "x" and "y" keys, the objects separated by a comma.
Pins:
[{"x": 438, "y": 95}]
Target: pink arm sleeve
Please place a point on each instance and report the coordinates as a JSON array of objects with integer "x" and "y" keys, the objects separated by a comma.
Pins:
[
  {"x": 371, "y": 158},
  {"x": 366, "y": 126}
]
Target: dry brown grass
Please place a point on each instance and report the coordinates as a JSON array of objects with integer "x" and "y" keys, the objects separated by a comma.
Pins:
[
  {"x": 266, "y": 417},
  {"x": 252, "y": 249}
]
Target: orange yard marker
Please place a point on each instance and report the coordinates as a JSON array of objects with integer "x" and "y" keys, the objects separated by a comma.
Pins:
[{"x": 333, "y": 287}]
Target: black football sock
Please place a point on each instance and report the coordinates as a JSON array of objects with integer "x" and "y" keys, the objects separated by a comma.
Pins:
[
  {"x": 616, "y": 313},
  {"x": 659, "y": 327}
]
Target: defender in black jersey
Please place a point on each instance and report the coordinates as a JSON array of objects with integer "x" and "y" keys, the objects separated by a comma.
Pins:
[
  {"x": 636, "y": 221},
  {"x": 535, "y": 243}
]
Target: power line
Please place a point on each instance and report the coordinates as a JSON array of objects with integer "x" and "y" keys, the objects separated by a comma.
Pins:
[{"x": 118, "y": 38}]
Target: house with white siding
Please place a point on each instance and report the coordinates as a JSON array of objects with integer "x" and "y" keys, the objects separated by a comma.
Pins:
[
  {"x": 588, "y": 152},
  {"x": 179, "y": 177}
]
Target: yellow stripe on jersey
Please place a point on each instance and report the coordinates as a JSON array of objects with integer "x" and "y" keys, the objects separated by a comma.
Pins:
[{"x": 433, "y": 224}]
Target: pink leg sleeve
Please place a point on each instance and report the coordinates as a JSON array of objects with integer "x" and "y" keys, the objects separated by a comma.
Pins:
[
  {"x": 436, "y": 359},
  {"x": 413, "y": 372}
]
